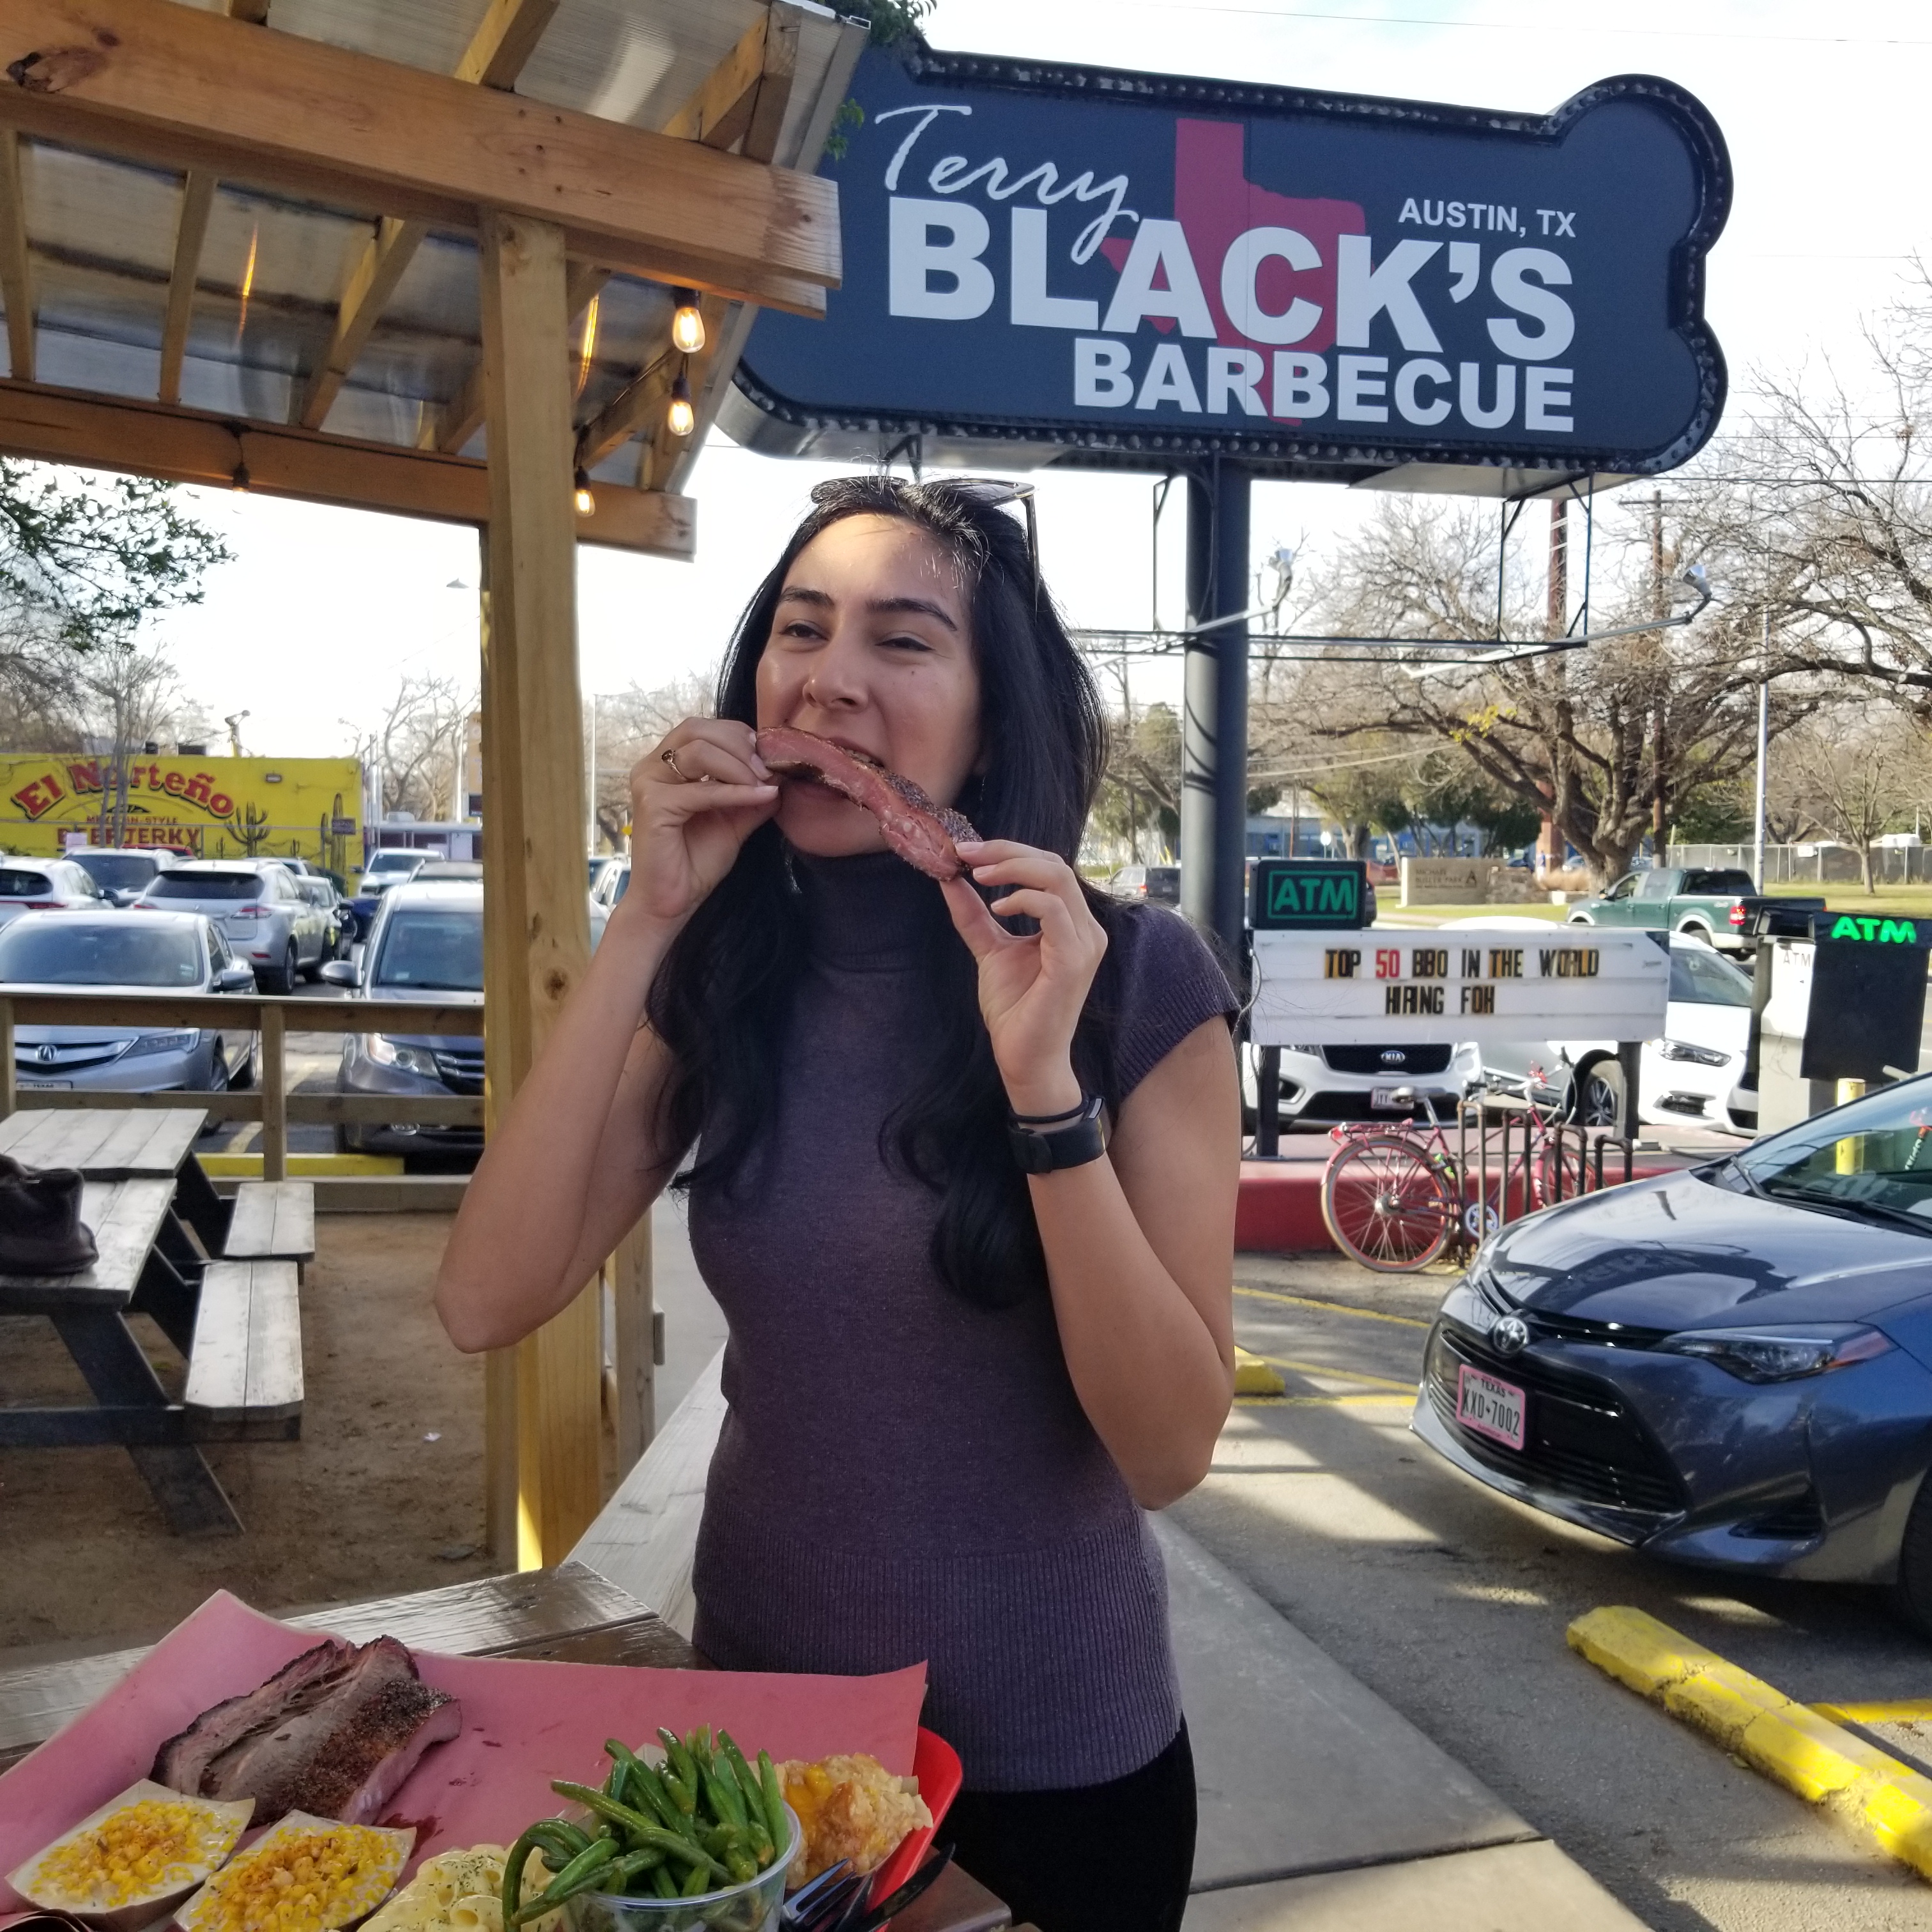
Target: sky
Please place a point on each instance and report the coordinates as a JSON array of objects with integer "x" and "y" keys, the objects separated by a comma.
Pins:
[{"x": 309, "y": 629}]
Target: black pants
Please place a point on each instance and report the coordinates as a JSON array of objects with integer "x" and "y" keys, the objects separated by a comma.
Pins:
[{"x": 1099, "y": 1857}]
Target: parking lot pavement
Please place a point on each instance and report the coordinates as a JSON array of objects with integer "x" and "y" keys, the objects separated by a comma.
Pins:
[
  {"x": 312, "y": 1059},
  {"x": 1451, "y": 1603}
]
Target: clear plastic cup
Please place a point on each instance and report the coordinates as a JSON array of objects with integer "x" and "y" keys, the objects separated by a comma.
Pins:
[{"x": 752, "y": 1907}]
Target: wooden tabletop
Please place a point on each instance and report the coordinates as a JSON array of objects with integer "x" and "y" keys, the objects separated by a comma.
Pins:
[
  {"x": 124, "y": 1217},
  {"x": 568, "y": 1615},
  {"x": 106, "y": 1143}
]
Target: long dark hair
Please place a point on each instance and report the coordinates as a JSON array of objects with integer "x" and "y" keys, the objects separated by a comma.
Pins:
[{"x": 723, "y": 999}]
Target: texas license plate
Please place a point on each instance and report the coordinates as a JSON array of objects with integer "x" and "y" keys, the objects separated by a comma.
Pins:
[
  {"x": 1391, "y": 1099},
  {"x": 65, "y": 1086},
  {"x": 1489, "y": 1407}
]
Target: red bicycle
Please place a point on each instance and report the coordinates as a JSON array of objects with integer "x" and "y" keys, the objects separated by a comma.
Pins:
[{"x": 1393, "y": 1195}]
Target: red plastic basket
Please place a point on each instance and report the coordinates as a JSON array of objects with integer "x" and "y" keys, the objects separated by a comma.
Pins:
[{"x": 936, "y": 1765}]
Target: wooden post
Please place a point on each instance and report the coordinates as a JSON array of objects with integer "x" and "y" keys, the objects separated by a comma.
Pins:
[
  {"x": 9, "y": 1096},
  {"x": 274, "y": 1096},
  {"x": 536, "y": 910},
  {"x": 635, "y": 1420}
]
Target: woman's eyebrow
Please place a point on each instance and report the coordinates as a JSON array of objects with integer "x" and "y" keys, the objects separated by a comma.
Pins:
[
  {"x": 887, "y": 607},
  {"x": 798, "y": 593}
]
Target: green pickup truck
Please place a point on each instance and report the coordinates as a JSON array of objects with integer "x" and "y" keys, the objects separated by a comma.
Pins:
[{"x": 1714, "y": 905}]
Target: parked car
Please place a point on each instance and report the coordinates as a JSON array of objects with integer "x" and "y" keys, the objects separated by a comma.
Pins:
[
  {"x": 426, "y": 946},
  {"x": 136, "y": 951},
  {"x": 1161, "y": 883},
  {"x": 261, "y": 911},
  {"x": 1321, "y": 1085},
  {"x": 386, "y": 868},
  {"x": 611, "y": 884},
  {"x": 46, "y": 885},
  {"x": 1690, "y": 1073},
  {"x": 1729, "y": 1367},
  {"x": 1715, "y": 904},
  {"x": 122, "y": 875},
  {"x": 320, "y": 892}
]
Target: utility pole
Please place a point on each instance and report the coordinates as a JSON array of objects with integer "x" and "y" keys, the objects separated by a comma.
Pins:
[
  {"x": 1214, "y": 715},
  {"x": 1661, "y": 711},
  {"x": 1763, "y": 735}
]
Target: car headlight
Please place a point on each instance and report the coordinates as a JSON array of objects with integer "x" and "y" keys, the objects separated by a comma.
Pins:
[
  {"x": 1778, "y": 1355},
  {"x": 1703, "y": 1056},
  {"x": 162, "y": 1043},
  {"x": 385, "y": 1052}
]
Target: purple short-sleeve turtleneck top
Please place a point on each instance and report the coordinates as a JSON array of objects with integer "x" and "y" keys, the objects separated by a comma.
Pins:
[{"x": 903, "y": 1475}]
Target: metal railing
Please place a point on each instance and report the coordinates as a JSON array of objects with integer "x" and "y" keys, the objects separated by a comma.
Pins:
[{"x": 270, "y": 1103}]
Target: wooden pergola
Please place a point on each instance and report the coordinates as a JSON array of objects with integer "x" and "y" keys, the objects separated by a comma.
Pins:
[{"x": 419, "y": 256}]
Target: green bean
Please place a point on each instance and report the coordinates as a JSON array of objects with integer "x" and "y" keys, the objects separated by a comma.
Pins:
[
  {"x": 774, "y": 1797},
  {"x": 680, "y": 1761},
  {"x": 559, "y": 1841},
  {"x": 579, "y": 1875},
  {"x": 764, "y": 1844},
  {"x": 728, "y": 1806},
  {"x": 683, "y": 1795},
  {"x": 642, "y": 1830},
  {"x": 617, "y": 1878},
  {"x": 659, "y": 1799},
  {"x": 513, "y": 1872},
  {"x": 662, "y": 1883}
]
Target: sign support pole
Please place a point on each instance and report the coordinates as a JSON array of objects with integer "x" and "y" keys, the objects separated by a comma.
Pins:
[{"x": 1214, "y": 725}]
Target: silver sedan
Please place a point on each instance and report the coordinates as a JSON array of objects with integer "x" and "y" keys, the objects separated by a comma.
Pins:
[
  {"x": 260, "y": 909},
  {"x": 132, "y": 952}
]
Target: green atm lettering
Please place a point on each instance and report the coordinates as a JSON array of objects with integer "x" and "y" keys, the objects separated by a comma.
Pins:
[
  {"x": 1334, "y": 894},
  {"x": 1881, "y": 931}
]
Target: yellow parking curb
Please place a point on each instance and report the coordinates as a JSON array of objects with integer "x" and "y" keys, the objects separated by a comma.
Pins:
[
  {"x": 1803, "y": 1751},
  {"x": 248, "y": 1166},
  {"x": 1253, "y": 1376}
]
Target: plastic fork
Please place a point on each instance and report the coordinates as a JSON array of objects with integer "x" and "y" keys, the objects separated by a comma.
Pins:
[{"x": 807, "y": 1906}]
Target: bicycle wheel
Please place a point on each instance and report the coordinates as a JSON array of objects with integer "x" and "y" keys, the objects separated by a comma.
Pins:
[
  {"x": 1552, "y": 1181},
  {"x": 1386, "y": 1205}
]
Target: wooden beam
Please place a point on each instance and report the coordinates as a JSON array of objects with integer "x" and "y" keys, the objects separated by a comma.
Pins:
[
  {"x": 494, "y": 58},
  {"x": 721, "y": 110},
  {"x": 192, "y": 446},
  {"x": 536, "y": 922},
  {"x": 501, "y": 46},
  {"x": 256, "y": 11},
  {"x": 450, "y": 428},
  {"x": 775, "y": 82},
  {"x": 633, "y": 408},
  {"x": 175, "y": 87},
  {"x": 16, "y": 276},
  {"x": 191, "y": 231},
  {"x": 371, "y": 282}
]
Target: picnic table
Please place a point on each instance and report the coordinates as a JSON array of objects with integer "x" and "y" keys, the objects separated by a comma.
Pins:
[
  {"x": 569, "y": 1614},
  {"x": 220, "y": 1284}
]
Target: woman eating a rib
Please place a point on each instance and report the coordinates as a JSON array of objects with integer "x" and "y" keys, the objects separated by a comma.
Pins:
[{"x": 960, "y": 1155}]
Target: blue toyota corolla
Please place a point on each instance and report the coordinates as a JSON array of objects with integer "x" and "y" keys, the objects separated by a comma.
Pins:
[{"x": 1730, "y": 1366}]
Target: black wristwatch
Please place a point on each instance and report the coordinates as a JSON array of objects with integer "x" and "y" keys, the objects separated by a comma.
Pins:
[{"x": 1045, "y": 1144}]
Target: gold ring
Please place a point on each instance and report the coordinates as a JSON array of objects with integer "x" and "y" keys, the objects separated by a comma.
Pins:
[{"x": 669, "y": 754}]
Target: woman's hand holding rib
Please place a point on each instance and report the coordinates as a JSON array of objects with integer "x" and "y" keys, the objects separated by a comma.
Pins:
[{"x": 1032, "y": 988}]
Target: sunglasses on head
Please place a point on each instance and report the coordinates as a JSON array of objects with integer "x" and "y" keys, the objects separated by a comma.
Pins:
[{"x": 989, "y": 492}]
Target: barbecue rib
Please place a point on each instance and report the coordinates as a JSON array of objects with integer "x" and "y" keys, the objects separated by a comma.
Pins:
[
  {"x": 334, "y": 1733},
  {"x": 920, "y": 832}
]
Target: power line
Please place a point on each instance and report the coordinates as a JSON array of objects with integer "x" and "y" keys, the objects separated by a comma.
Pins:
[{"x": 1525, "y": 26}]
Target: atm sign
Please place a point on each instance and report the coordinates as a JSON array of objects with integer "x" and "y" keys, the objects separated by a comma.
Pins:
[
  {"x": 1308, "y": 894},
  {"x": 1875, "y": 932}
]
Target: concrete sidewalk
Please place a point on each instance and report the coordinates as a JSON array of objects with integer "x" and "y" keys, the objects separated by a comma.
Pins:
[{"x": 1323, "y": 1809}]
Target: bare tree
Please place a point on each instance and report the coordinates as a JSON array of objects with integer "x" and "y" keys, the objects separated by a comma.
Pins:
[
  {"x": 1604, "y": 739},
  {"x": 1857, "y": 778},
  {"x": 628, "y": 723},
  {"x": 418, "y": 744}
]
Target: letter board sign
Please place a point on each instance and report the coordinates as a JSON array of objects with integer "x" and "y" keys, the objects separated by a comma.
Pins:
[
  {"x": 1311, "y": 895},
  {"x": 1384, "y": 988},
  {"x": 1043, "y": 260}
]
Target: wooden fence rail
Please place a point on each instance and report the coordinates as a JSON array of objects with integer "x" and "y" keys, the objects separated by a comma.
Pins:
[{"x": 270, "y": 1103}]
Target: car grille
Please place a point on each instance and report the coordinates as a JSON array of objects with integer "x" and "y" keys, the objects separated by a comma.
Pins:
[
  {"x": 1796, "y": 1520},
  {"x": 66, "y": 1059},
  {"x": 1369, "y": 1060},
  {"x": 462, "y": 1071},
  {"x": 1324, "y": 1109},
  {"x": 1582, "y": 1440}
]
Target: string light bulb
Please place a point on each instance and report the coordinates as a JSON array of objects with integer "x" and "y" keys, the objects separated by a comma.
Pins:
[
  {"x": 241, "y": 479},
  {"x": 681, "y": 418},
  {"x": 687, "y": 324},
  {"x": 587, "y": 504}
]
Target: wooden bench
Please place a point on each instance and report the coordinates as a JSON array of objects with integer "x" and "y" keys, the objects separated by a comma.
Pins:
[
  {"x": 271, "y": 1220},
  {"x": 244, "y": 1372}
]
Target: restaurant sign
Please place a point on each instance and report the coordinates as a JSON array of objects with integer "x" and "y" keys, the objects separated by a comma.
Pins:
[
  {"x": 214, "y": 807},
  {"x": 1477, "y": 983},
  {"x": 1063, "y": 259}
]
